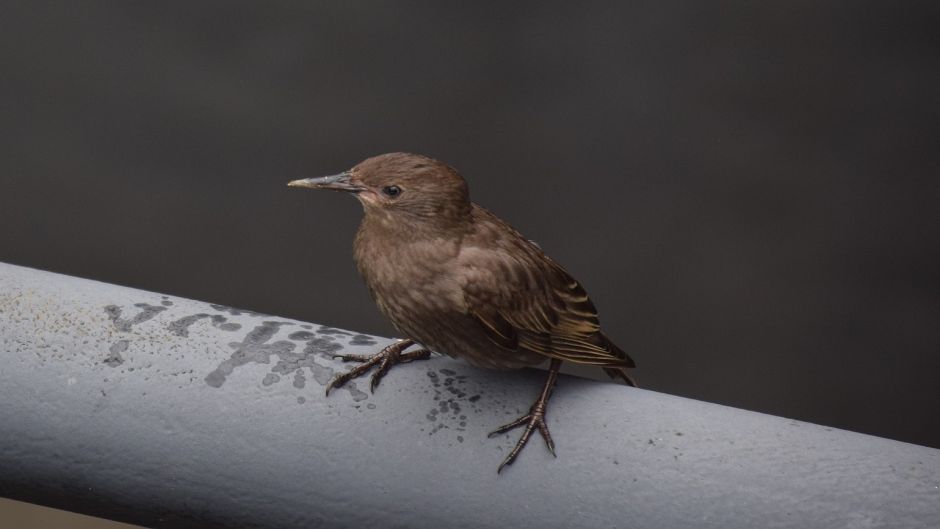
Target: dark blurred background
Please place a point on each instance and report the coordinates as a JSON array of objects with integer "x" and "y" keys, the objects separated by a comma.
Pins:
[{"x": 749, "y": 191}]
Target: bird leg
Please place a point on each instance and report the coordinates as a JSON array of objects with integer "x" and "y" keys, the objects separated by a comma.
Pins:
[
  {"x": 532, "y": 420},
  {"x": 385, "y": 359}
]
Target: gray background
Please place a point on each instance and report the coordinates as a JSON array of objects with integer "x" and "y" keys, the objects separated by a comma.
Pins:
[{"x": 749, "y": 192}]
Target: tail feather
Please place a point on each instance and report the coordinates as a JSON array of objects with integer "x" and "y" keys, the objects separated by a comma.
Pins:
[
  {"x": 619, "y": 373},
  {"x": 617, "y": 352}
]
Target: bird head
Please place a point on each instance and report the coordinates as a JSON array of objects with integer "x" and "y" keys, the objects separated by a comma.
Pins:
[{"x": 402, "y": 187}]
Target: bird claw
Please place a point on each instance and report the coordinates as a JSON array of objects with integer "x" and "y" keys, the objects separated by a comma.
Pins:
[
  {"x": 533, "y": 420},
  {"x": 385, "y": 359},
  {"x": 339, "y": 380},
  {"x": 353, "y": 357}
]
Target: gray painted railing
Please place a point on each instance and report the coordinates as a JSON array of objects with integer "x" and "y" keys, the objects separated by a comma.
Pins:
[{"x": 168, "y": 412}]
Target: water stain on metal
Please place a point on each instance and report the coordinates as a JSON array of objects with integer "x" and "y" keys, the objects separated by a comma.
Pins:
[
  {"x": 322, "y": 374},
  {"x": 357, "y": 395},
  {"x": 253, "y": 348},
  {"x": 147, "y": 312},
  {"x": 330, "y": 330},
  {"x": 448, "y": 394},
  {"x": 181, "y": 326},
  {"x": 362, "y": 339},
  {"x": 257, "y": 348},
  {"x": 316, "y": 347},
  {"x": 237, "y": 312},
  {"x": 299, "y": 379},
  {"x": 115, "y": 359}
]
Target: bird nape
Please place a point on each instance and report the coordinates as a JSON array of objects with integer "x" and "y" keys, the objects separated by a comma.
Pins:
[{"x": 456, "y": 279}]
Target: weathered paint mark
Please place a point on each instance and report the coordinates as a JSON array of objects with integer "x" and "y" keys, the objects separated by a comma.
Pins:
[
  {"x": 357, "y": 395},
  {"x": 257, "y": 348},
  {"x": 115, "y": 359},
  {"x": 299, "y": 379},
  {"x": 181, "y": 326},
  {"x": 362, "y": 339},
  {"x": 124, "y": 325},
  {"x": 317, "y": 346},
  {"x": 330, "y": 330},
  {"x": 448, "y": 395},
  {"x": 253, "y": 348},
  {"x": 237, "y": 312}
]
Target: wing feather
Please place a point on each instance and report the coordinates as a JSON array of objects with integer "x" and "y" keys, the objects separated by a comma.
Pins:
[{"x": 521, "y": 298}]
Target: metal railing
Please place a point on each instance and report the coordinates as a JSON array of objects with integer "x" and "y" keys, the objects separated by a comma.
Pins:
[{"x": 168, "y": 412}]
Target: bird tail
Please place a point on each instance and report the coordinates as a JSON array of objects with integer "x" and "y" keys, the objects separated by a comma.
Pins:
[{"x": 619, "y": 372}]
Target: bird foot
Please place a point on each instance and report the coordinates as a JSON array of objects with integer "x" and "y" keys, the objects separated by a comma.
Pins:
[
  {"x": 385, "y": 359},
  {"x": 533, "y": 420}
]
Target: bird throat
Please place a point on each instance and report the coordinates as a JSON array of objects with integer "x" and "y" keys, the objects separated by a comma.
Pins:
[{"x": 411, "y": 225}]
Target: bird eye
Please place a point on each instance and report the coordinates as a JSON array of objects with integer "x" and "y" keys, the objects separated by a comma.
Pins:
[{"x": 391, "y": 191}]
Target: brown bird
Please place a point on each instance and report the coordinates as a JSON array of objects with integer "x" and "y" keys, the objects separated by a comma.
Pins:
[{"x": 455, "y": 278}]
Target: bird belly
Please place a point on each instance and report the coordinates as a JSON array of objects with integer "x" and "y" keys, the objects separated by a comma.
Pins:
[
  {"x": 460, "y": 337},
  {"x": 417, "y": 293},
  {"x": 425, "y": 313}
]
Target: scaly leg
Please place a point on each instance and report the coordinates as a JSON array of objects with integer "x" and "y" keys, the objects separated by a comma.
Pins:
[
  {"x": 385, "y": 359},
  {"x": 532, "y": 420}
]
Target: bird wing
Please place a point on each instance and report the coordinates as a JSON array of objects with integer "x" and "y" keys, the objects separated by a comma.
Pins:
[{"x": 521, "y": 298}]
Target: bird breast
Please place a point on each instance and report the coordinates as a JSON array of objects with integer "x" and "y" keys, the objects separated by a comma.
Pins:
[
  {"x": 411, "y": 279},
  {"x": 419, "y": 285}
]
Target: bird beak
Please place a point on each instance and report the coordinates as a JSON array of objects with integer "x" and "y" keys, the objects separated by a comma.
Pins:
[{"x": 339, "y": 182}]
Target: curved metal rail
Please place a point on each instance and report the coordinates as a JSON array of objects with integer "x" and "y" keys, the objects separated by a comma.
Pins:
[{"x": 168, "y": 412}]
